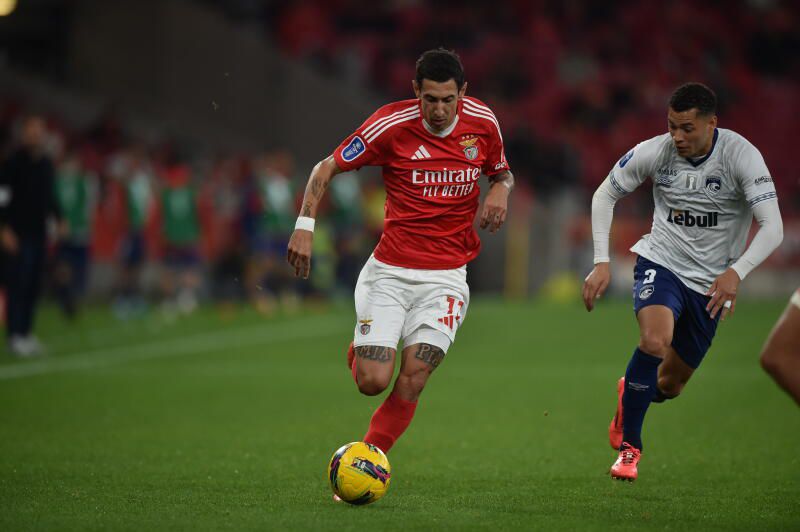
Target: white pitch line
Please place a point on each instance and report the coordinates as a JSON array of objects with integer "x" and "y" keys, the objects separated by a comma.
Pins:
[{"x": 222, "y": 340}]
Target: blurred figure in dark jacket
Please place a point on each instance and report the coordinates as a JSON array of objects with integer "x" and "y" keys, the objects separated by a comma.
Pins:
[{"x": 27, "y": 200}]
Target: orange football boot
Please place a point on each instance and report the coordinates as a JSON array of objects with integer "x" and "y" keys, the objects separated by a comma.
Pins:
[
  {"x": 625, "y": 466},
  {"x": 615, "y": 428}
]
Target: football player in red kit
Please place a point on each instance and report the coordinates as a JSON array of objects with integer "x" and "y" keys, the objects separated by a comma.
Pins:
[{"x": 432, "y": 150}]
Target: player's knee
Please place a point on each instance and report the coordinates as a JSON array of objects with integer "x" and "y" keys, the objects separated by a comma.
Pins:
[
  {"x": 772, "y": 361},
  {"x": 372, "y": 384},
  {"x": 670, "y": 386},
  {"x": 655, "y": 344}
]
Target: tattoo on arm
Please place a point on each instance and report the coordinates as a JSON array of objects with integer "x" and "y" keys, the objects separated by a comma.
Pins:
[
  {"x": 430, "y": 354},
  {"x": 504, "y": 176},
  {"x": 317, "y": 187},
  {"x": 375, "y": 352}
]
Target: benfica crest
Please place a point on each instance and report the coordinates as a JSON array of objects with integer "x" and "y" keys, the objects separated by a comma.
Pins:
[
  {"x": 470, "y": 148},
  {"x": 365, "y": 326}
]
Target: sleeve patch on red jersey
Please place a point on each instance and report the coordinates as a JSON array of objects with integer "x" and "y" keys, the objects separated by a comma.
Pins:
[{"x": 352, "y": 151}]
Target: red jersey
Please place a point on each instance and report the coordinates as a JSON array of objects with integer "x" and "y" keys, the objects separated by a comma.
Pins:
[{"x": 431, "y": 180}]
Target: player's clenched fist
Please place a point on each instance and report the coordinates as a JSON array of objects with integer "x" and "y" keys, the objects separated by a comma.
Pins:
[
  {"x": 595, "y": 284},
  {"x": 495, "y": 207},
  {"x": 299, "y": 252},
  {"x": 723, "y": 294}
]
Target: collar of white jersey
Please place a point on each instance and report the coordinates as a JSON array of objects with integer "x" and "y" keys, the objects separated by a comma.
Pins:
[
  {"x": 443, "y": 133},
  {"x": 700, "y": 160}
]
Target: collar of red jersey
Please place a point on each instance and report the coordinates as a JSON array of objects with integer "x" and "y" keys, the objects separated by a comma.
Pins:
[{"x": 442, "y": 133}]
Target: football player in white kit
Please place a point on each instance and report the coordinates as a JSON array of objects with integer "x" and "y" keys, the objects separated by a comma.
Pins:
[{"x": 708, "y": 184}]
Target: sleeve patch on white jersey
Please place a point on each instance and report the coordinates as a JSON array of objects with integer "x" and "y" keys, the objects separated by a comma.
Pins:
[{"x": 627, "y": 157}]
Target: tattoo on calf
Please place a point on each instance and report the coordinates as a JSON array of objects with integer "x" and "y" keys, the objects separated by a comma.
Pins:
[
  {"x": 430, "y": 354},
  {"x": 374, "y": 352}
]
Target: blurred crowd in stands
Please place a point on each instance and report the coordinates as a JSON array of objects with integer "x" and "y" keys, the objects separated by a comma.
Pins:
[
  {"x": 212, "y": 227},
  {"x": 575, "y": 84}
]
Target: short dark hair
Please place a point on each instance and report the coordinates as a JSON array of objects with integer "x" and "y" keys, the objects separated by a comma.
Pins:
[
  {"x": 694, "y": 95},
  {"x": 440, "y": 65}
]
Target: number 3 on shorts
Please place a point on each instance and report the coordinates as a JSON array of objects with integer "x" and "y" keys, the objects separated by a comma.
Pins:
[{"x": 649, "y": 276}]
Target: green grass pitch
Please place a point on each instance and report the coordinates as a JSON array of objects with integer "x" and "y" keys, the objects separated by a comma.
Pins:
[{"x": 206, "y": 424}]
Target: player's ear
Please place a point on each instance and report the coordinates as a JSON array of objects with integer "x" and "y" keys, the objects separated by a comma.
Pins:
[
  {"x": 416, "y": 87},
  {"x": 713, "y": 122},
  {"x": 463, "y": 90}
]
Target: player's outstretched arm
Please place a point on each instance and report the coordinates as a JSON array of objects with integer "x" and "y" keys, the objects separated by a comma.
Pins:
[
  {"x": 299, "y": 251},
  {"x": 769, "y": 236},
  {"x": 495, "y": 206},
  {"x": 596, "y": 283}
]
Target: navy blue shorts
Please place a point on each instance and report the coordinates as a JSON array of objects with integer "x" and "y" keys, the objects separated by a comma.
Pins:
[{"x": 694, "y": 329}]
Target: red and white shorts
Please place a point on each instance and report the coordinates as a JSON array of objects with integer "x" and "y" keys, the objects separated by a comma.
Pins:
[{"x": 416, "y": 306}]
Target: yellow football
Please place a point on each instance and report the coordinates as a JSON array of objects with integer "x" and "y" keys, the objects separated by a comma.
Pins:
[{"x": 359, "y": 473}]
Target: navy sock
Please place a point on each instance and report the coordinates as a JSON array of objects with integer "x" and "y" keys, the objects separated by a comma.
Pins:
[{"x": 641, "y": 385}]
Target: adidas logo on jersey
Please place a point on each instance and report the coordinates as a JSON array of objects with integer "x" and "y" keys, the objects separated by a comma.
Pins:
[{"x": 421, "y": 153}]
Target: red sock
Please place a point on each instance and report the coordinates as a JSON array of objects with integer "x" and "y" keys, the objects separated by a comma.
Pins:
[{"x": 389, "y": 422}]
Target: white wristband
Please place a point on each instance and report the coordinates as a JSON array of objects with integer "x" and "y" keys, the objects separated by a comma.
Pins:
[{"x": 305, "y": 223}]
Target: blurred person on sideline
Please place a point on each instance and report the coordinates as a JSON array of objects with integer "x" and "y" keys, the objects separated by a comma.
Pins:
[
  {"x": 27, "y": 202},
  {"x": 136, "y": 178},
  {"x": 780, "y": 356},
  {"x": 270, "y": 222},
  {"x": 347, "y": 217},
  {"x": 225, "y": 193},
  {"x": 180, "y": 230},
  {"x": 76, "y": 192}
]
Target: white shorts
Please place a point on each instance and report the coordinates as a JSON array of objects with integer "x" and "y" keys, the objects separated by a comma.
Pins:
[{"x": 417, "y": 306}]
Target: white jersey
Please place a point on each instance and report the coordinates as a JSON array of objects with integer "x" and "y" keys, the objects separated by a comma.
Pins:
[{"x": 703, "y": 207}]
